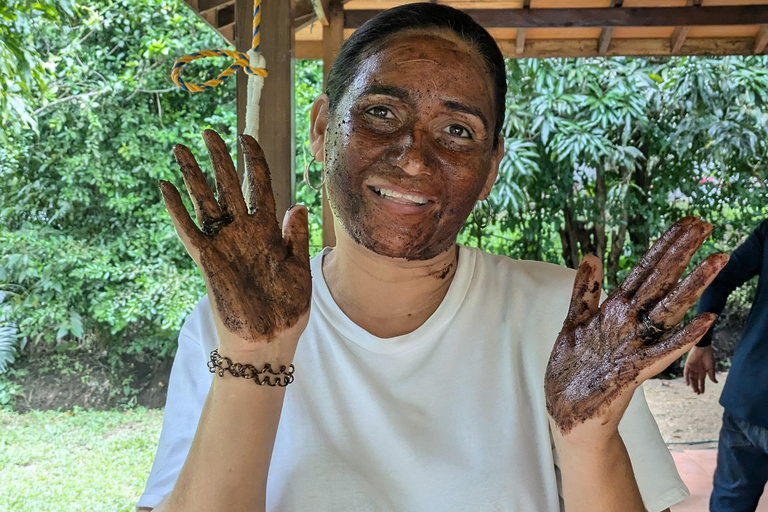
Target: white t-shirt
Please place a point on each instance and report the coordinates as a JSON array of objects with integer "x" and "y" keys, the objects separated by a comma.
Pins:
[{"x": 450, "y": 417}]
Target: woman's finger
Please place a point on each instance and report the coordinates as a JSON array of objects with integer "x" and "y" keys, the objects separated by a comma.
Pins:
[
  {"x": 671, "y": 266},
  {"x": 659, "y": 356},
  {"x": 651, "y": 258},
  {"x": 190, "y": 236},
  {"x": 227, "y": 183},
  {"x": 672, "y": 308},
  {"x": 296, "y": 233},
  {"x": 585, "y": 299},
  {"x": 261, "y": 196},
  {"x": 203, "y": 200}
]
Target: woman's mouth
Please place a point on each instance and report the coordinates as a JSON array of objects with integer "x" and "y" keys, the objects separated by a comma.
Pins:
[{"x": 400, "y": 197}]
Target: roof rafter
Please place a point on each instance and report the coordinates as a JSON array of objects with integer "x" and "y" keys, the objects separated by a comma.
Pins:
[
  {"x": 680, "y": 33},
  {"x": 520, "y": 36},
  {"x": 602, "y": 17},
  {"x": 761, "y": 40},
  {"x": 607, "y": 32}
]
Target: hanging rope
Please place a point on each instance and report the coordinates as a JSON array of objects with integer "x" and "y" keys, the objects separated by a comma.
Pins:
[
  {"x": 242, "y": 61},
  {"x": 252, "y": 63}
]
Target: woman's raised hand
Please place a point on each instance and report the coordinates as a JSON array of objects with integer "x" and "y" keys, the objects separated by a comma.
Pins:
[
  {"x": 605, "y": 351},
  {"x": 257, "y": 277}
]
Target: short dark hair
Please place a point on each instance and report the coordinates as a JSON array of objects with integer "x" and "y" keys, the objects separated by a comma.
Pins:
[{"x": 369, "y": 38}]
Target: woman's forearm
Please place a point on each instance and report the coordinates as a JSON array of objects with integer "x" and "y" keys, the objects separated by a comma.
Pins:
[
  {"x": 228, "y": 462},
  {"x": 598, "y": 478}
]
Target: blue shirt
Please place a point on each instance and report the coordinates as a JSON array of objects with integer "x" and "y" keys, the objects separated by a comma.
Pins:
[{"x": 745, "y": 394}]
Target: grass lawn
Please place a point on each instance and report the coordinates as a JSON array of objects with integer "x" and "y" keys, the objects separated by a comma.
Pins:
[{"x": 76, "y": 461}]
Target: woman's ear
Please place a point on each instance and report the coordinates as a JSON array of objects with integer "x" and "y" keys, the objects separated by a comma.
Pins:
[
  {"x": 494, "y": 170},
  {"x": 318, "y": 123}
]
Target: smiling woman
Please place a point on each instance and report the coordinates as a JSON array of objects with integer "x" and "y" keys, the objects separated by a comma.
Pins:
[
  {"x": 407, "y": 158},
  {"x": 423, "y": 375}
]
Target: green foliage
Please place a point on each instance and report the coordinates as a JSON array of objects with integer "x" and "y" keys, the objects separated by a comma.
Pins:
[
  {"x": 9, "y": 390},
  {"x": 22, "y": 70},
  {"x": 309, "y": 85},
  {"x": 88, "y": 255},
  {"x": 78, "y": 460},
  {"x": 623, "y": 147}
]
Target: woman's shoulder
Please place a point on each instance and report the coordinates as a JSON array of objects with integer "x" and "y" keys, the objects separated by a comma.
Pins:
[{"x": 501, "y": 268}]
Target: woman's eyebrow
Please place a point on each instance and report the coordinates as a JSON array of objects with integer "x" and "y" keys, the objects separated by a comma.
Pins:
[
  {"x": 466, "y": 109},
  {"x": 387, "y": 90}
]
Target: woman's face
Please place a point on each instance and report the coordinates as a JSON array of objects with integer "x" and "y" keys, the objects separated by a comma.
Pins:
[{"x": 409, "y": 149}]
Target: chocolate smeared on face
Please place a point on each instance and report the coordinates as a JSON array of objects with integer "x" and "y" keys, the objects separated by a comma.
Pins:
[{"x": 410, "y": 148}]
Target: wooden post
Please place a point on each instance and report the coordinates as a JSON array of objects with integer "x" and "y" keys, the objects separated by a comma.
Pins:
[
  {"x": 333, "y": 38},
  {"x": 276, "y": 119}
]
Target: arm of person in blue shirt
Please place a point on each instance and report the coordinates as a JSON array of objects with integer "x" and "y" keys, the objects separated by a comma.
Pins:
[{"x": 744, "y": 264}]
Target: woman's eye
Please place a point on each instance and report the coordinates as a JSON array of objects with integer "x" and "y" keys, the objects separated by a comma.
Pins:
[
  {"x": 381, "y": 112},
  {"x": 458, "y": 131}
]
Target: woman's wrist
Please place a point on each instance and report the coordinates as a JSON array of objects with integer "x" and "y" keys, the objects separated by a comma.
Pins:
[{"x": 581, "y": 449}]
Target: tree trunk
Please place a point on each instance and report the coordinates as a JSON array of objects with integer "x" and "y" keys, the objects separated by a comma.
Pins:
[
  {"x": 637, "y": 225},
  {"x": 569, "y": 237},
  {"x": 617, "y": 248},
  {"x": 599, "y": 214}
]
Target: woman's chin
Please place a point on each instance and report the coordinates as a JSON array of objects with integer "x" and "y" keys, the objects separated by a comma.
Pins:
[{"x": 396, "y": 245}]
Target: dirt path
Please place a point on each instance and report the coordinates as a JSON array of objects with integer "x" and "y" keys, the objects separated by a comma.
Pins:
[{"x": 683, "y": 416}]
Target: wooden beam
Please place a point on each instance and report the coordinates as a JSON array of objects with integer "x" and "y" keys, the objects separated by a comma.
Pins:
[
  {"x": 300, "y": 8},
  {"x": 607, "y": 32},
  {"x": 761, "y": 39},
  {"x": 225, "y": 15},
  {"x": 680, "y": 33},
  {"x": 276, "y": 125},
  {"x": 678, "y": 38},
  {"x": 333, "y": 38},
  {"x": 520, "y": 36},
  {"x": 208, "y": 5},
  {"x": 228, "y": 33},
  {"x": 217, "y": 22},
  {"x": 604, "y": 41},
  {"x": 520, "y": 41},
  {"x": 543, "y": 48},
  {"x": 309, "y": 50},
  {"x": 602, "y": 17}
]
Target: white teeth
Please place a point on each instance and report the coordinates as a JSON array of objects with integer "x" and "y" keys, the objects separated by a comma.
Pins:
[{"x": 391, "y": 194}]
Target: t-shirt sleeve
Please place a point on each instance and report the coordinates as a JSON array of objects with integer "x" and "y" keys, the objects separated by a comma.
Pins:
[
  {"x": 187, "y": 389},
  {"x": 657, "y": 477}
]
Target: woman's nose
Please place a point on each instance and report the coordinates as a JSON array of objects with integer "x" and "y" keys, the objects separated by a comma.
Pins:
[{"x": 412, "y": 154}]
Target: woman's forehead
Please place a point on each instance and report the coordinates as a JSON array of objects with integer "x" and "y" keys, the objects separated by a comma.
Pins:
[
  {"x": 431, "y": 45},
  {"x": 424, "y": 59}
]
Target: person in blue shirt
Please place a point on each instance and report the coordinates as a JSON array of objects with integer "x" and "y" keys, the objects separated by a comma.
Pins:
[{"x": 742, "y": 458}]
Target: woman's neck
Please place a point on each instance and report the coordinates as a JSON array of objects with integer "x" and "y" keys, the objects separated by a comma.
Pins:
[{"x": 387, "y": 297}]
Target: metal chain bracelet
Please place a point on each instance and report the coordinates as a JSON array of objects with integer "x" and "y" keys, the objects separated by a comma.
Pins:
[{"x": 265, "y": 377}]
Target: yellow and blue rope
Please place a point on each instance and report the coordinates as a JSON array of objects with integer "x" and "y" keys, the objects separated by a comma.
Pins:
[{"x": 241, "y": 60}]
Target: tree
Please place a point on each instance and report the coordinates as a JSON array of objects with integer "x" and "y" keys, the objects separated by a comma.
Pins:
[
  {"x": 88, "y": 256},
  {"x": 23, "y": 73},
  {"x": 622, "y": 147}
]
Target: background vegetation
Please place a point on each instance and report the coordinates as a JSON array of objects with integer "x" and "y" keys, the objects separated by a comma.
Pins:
[
  {"x": 79, "y": 460},
  {"x": 602, "y": 155}
]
